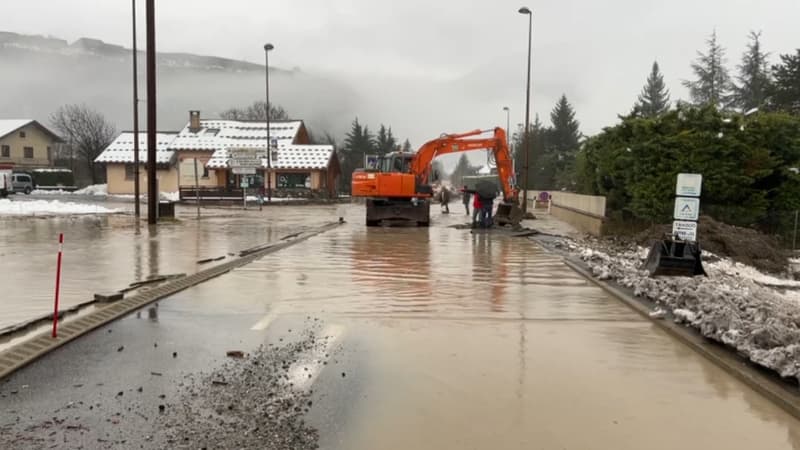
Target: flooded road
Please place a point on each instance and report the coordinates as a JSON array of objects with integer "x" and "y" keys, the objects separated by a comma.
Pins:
[
  {"x": 106, "y": 253},
  {"x": 462, "y": 340},
  {"x": 434, "y": 338}
]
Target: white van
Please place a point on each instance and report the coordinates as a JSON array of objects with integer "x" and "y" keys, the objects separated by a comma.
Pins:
[{"x": 6, "y": 182}]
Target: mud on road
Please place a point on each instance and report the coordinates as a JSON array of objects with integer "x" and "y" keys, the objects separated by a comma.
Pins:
[{"x": 253, "y": 400}]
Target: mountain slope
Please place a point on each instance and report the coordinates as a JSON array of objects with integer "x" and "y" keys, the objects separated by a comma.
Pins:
[{"x": 42, "y": 73}]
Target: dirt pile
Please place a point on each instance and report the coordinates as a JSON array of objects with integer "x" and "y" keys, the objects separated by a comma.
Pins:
[{"x": 744, "y": 245}]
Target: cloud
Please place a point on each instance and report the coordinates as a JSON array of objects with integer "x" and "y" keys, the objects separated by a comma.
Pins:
[{"x": 426, "y": 67}]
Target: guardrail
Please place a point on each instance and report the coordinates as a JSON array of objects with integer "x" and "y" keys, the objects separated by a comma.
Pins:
[{"x": 584, "y": 212}]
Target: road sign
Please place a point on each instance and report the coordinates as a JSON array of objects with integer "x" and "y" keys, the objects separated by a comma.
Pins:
[
  {"x": 244, "y": 170},
  {"x": 687, "y": 208},
  {"x": 244, "y": 184},
  {"x": 685, "y": 230},
  {"x": 689, "y": 185},
  {"x": 244, "y": 157}
]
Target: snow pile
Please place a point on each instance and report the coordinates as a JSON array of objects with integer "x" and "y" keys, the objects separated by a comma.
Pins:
[
  {"x": 95, "y": 189},
  {"x": 49, "y": 207},
  {"x": 754, "y": 313},
  {"x": 168, "y": 196}
]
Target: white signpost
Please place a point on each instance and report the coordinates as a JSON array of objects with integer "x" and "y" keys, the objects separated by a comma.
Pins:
[
  {"x": 685, "y": 230},
  {"x": 687, "y": 206},
  {"x": 688, "y": 185},
  {"x": 244, "y": 161}
]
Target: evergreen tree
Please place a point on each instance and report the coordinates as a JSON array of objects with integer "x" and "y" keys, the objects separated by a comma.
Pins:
[
  {"x": 754, "y": 78},
  {"x": 358, "y": 143},
  {"x": 539, "y": 162},
  {"x": 407, "y": 146},
  {"x": 565, "y": 127},
  {"x": 385, "y": 141},
  {"x": 437, "y": 173},
  {"x": 713, "y": 84},
  {"x": 786, "y": 89},
  {"x": 463, "y": 168},
  {"x": 561, "y": 147},
  {"x": 654, "y": 99}
]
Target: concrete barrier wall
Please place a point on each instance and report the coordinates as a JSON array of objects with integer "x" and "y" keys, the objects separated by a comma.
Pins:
[{"x": 584, "y": 212}]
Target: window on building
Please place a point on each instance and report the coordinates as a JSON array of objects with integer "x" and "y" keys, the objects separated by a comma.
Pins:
[
  {"x": 5, "y": 151},
  {"x": 49, "y": 153},
  {"x": 129, "y": 172},
  {"x": 28, "y": 152},
  {"x": 300, "y": 180},
  {"x": 205, "y": 172},
  {"x": 22, "y": 134}
]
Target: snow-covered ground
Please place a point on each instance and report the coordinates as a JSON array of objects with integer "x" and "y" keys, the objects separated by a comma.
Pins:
[
  {"x": 101, "y": 190},
  {"x": 48, "y": 208},
  {"x": 254, "y": 198},
  {"x": 755, "y": 313}
]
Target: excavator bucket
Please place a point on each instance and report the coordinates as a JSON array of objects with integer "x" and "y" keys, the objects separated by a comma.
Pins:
[
  {"x": 674, "y": 258},
  {"x": 508, "y": 214}
]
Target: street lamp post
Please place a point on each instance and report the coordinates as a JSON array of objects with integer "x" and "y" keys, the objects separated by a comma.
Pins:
[
  {"x": 508, "y": 124},
  {"x": 267, "y": 48},
  {"x": 525, "y": 10}
]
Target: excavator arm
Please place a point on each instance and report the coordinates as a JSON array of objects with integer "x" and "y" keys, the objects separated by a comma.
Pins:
[{"x": 454, "y": 143}]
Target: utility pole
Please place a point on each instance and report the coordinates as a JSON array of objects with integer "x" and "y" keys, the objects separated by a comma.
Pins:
[
  {"x": 136, "y": 208},
  {"x": 152, "y": 183}
]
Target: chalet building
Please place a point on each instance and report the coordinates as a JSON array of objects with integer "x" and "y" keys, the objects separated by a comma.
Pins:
[{"x": 297, "y": 168}]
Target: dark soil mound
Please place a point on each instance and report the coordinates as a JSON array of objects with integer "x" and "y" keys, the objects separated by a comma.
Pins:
[{"x": 744, "y": 245}]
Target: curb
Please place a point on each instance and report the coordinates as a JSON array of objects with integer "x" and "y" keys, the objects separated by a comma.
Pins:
[
  {"x": 28, "y": 351},
  {"x": 779, "y": 393}
]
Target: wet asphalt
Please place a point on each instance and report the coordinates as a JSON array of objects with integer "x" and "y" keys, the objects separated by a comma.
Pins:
[{"x": 387, "y": 338}]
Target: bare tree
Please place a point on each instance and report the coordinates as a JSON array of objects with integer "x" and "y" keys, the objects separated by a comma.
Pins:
[
  {"x": 256, "y": 111},
  {"x": 86, "y": 131}
]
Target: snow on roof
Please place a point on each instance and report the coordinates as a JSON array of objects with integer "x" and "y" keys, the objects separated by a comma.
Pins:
[
  {"x": 8, "y": 126},
  {"x": 218, "y": 134},
  {"x": 289, "y": 157},
  {"x": 121, "y": 150}
]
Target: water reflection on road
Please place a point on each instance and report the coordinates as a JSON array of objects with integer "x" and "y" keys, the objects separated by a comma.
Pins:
[
  {"x": 105, "y": 253},
  {"x": 461, "y": 340}
]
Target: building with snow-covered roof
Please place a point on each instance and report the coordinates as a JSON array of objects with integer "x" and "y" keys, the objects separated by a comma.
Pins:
[
  {"x": 298, "y": 168},
  {"x": 118, "y": 158},
  {"x": 26, "y": 143}
]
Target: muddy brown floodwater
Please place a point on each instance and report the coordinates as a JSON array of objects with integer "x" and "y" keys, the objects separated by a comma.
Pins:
[
  {"x": 464, "y": 340},
  {"x": 427, "y": 338},
  {"x": 106, "y": 253}
]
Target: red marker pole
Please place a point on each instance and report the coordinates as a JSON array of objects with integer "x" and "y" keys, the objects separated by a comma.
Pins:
[{"x": 58, "y": 282}]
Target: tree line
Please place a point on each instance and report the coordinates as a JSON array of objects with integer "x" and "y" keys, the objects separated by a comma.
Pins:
[{"x": 741, "y": 132}]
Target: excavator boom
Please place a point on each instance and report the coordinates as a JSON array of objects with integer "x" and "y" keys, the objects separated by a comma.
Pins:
[{"x": 404, "y": 178}]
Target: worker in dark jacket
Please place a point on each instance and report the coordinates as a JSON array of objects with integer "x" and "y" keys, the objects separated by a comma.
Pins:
[
  {"x": 444, "y": 198},
  {"x": 465, "y": 198}
]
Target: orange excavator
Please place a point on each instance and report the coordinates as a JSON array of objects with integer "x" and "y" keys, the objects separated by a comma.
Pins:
[{"x": 399, "y": 189}]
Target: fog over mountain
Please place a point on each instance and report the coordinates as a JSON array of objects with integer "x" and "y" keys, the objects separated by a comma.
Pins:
[{"x": 41, "y": 73}]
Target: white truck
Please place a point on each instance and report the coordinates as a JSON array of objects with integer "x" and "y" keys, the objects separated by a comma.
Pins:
[{"x": 6, "y": 181}]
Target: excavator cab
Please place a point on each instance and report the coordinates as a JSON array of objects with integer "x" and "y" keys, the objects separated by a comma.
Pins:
[{"x": 673, "y": 257}]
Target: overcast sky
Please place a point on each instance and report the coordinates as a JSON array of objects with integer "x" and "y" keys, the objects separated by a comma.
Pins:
[{"x": 447, "y": 65}]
